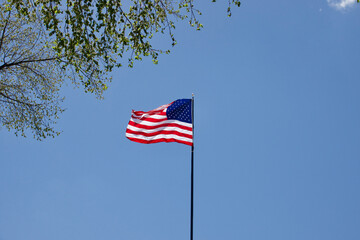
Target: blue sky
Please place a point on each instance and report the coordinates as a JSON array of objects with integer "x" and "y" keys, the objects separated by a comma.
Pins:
[{"x": 277, "y": 156}]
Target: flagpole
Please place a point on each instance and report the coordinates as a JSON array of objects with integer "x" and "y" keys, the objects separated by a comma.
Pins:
[{"x": 192, "y": 173}]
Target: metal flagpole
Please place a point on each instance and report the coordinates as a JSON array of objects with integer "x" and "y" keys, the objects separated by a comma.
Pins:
[{"x": 192, "y": 173}]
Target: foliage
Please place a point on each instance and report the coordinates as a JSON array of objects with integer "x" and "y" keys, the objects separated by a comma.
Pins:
[
  {"x": 29, "y": 77},
  {"x": 95, "y": 34},
  {"x": 82, "y": 40}
]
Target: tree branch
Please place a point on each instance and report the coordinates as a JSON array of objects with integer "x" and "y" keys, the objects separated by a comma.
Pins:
[
  {"x": 6, "y": 65},
  {"x": 3, "y": 32}
]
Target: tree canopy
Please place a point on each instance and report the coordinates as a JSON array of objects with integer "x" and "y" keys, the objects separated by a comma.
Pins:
[
  {"x": 46, "y": 41},
  {"x": 30, "y": 77}
]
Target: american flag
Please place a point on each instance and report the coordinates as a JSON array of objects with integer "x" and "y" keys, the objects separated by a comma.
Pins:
[{"x": 167, "y": 123}]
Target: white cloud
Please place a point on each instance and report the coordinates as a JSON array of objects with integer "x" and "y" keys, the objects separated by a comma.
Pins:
[{"x": 341, "y": 4}]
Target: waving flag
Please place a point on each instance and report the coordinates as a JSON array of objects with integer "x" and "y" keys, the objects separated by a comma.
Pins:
[{"x": 168, "y": 123}]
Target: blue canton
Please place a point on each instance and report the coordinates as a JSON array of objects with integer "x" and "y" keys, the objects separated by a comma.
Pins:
[{"x": 180, "y": 110}]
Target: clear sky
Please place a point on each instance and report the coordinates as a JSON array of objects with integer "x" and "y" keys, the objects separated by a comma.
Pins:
[{"x": 277, "y": 138}]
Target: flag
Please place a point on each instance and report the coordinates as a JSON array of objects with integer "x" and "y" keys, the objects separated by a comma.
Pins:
[{"x": 167, "y": 123}]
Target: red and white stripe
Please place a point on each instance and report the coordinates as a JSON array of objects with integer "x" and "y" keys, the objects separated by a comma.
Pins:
[{"x": 153, "y": 127}]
